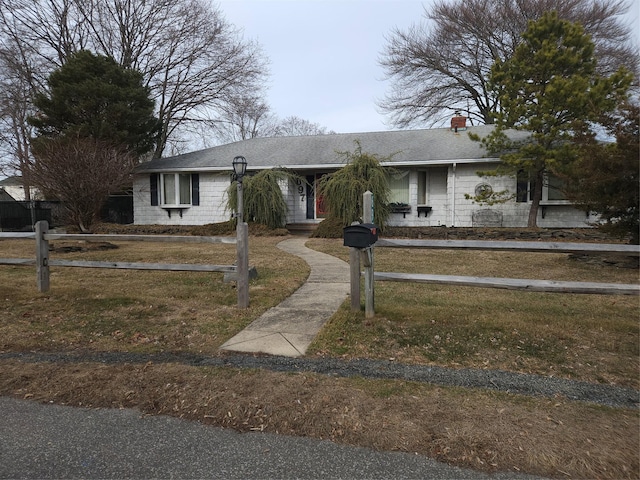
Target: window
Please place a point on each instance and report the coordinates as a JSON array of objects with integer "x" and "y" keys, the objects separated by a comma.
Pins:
[
  {"x": 524, "y": 188},
  {"x": 554, "y": 189},
  {"x": 551, "y": 189},
  {"x": 432, "y": 185},
  {"x": 399, "y": 187},
  {"x": 422, "y": 187},
  {"x": 175, "y": 189}
]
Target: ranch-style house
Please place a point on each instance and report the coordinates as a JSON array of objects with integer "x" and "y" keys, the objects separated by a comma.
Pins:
[{"x": 435, "y": 172}]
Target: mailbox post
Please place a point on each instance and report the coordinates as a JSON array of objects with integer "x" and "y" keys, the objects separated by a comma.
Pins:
[
  {"x": 362, "y": 237},
  {"x": 369, "y": 290}
]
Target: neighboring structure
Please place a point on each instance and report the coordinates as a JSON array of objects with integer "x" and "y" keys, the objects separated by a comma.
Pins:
[
  {"x": 15, "y": 188},
  {"x": 16, "y": 213},
  {"x": 434, "y": 170}
]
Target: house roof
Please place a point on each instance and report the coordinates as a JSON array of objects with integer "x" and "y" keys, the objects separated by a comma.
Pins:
[
  {"x": 439, "y": 146},
  {"x": 11, "y": 182},
  {"x": 4, "y": 196}
]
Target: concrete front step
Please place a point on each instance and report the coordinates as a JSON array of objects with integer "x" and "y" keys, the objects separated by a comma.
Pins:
[{"x": 301, "y": 228}]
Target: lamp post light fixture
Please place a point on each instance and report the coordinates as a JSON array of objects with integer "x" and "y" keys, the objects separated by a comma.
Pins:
[
  {"x": 242, "y": 237},
  {"x": 239, "y": 166},
  {"x": 239, "y": 170}
]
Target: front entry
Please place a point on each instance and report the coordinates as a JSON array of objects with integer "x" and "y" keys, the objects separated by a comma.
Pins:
[{"x": 311, "y": 197}]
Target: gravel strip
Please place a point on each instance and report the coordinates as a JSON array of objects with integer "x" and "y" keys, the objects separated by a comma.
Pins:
[{"x": 510, "y": 382}]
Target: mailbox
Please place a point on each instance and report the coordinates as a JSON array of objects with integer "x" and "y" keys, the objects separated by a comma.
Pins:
[{"x": 362, "y": 235}]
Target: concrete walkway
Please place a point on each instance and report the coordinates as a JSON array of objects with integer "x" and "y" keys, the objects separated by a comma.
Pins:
[{"x": 289, "y": 328}]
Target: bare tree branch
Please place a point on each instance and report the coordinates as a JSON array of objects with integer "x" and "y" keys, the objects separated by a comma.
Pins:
[
  {"x": 81, "y": 173},
  {"x": 442, "y": 65},
  {"x": 192, "y": 59}
]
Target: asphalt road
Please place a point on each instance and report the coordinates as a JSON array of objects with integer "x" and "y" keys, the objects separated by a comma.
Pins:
[{"x": 47, "y": 441}]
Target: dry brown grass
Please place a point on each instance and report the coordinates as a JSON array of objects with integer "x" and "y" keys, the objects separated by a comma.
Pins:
[
  {"x": 487, "y": 431},
  {"x": 586, "y": 337},
  {"x": 579, "y": 336},
  {"x": 102, "y": 309}
]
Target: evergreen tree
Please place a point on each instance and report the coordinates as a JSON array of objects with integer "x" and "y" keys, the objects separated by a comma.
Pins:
[
  {"x": 606, "y": 178},
  {"x": 92, "y": 96},
  {"x": 550, "y": 89},
  {"x": 92, "y": 126}
]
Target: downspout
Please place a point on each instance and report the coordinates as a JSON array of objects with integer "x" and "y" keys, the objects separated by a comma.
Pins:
[{"x": 453, "y": 196}]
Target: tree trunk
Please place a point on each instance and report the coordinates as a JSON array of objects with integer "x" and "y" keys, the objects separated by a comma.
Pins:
[{"x": 537, "y": 181}]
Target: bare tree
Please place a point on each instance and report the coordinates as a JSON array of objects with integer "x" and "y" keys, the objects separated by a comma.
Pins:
[
  {"x": 244, "y": 117},
  {"x": 251, "y": 117},
  {"x": 191, "y": 58},
  {"x": 442, "y": 66},
  {"x": 49, "y": 30},
  {"x": 294, "y": 126},
  {"x": 16, "y": 91},
  {"x": 81, "y": 172}
]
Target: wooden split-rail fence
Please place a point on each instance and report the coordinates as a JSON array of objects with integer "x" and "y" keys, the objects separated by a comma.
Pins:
[
  {"x": 553, "y": 286},
  {"x": 43, "y": 263}
]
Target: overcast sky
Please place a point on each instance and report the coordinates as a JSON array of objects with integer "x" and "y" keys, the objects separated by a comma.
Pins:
[{"x": 324, "y": 55}]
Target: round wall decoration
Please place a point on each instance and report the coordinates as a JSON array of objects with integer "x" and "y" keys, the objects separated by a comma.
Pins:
[{"x": 483, "y": 190}]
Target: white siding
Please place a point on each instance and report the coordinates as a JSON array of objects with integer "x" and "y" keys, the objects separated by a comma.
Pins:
[
  {"x": 213, "y": 199},
  {"x": 17, "y": 192},
  {"x": 295, "y": 195},
  {"x": 443, "y": 189}
]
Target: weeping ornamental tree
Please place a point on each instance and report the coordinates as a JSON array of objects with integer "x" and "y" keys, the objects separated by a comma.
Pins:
[
  {"x": 262, "y": 197},
  {"x": 343, "y": 190}
]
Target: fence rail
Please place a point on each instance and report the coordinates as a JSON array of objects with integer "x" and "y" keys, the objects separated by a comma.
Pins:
[
  {"x": 549, "y": 286},
  {"x": 174, "y": 267},
  {"x": 43, "y": 262},
  {"x": 513, "y": 246},
  {"x": 531, "y": 285},
  {"x": 138, "y": 238}
]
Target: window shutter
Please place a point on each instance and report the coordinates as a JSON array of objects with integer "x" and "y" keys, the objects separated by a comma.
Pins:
[
  {"x": 153, "y": 179},
  {"x": 195, "y": 189}
]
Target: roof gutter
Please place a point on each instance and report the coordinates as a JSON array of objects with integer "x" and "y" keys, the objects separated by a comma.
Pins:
[{"x": 316, "y": 166}]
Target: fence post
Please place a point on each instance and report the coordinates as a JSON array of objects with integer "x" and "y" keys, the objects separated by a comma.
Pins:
[
  {"x": 354, "y": 277},
  {"x": 42, "y": 256},
  {"x": 369, "y": 290},
  {"x": 242, "y": 266}
]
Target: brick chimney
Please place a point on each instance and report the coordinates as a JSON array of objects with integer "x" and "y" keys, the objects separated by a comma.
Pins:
[{"x": 458, "y": 122}]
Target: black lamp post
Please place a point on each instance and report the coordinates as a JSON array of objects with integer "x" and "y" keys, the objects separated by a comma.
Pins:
[
  {"x": 239, "y": 169},
  {"x": 242, "y": 236}
]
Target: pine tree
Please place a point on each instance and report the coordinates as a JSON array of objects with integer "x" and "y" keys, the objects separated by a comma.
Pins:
[
  {"x": 606, "y": 178},
  {"x": 549, "y": 88},
  {"x": 92, "y": 96},
  {"x": 92, "y": 126}
]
